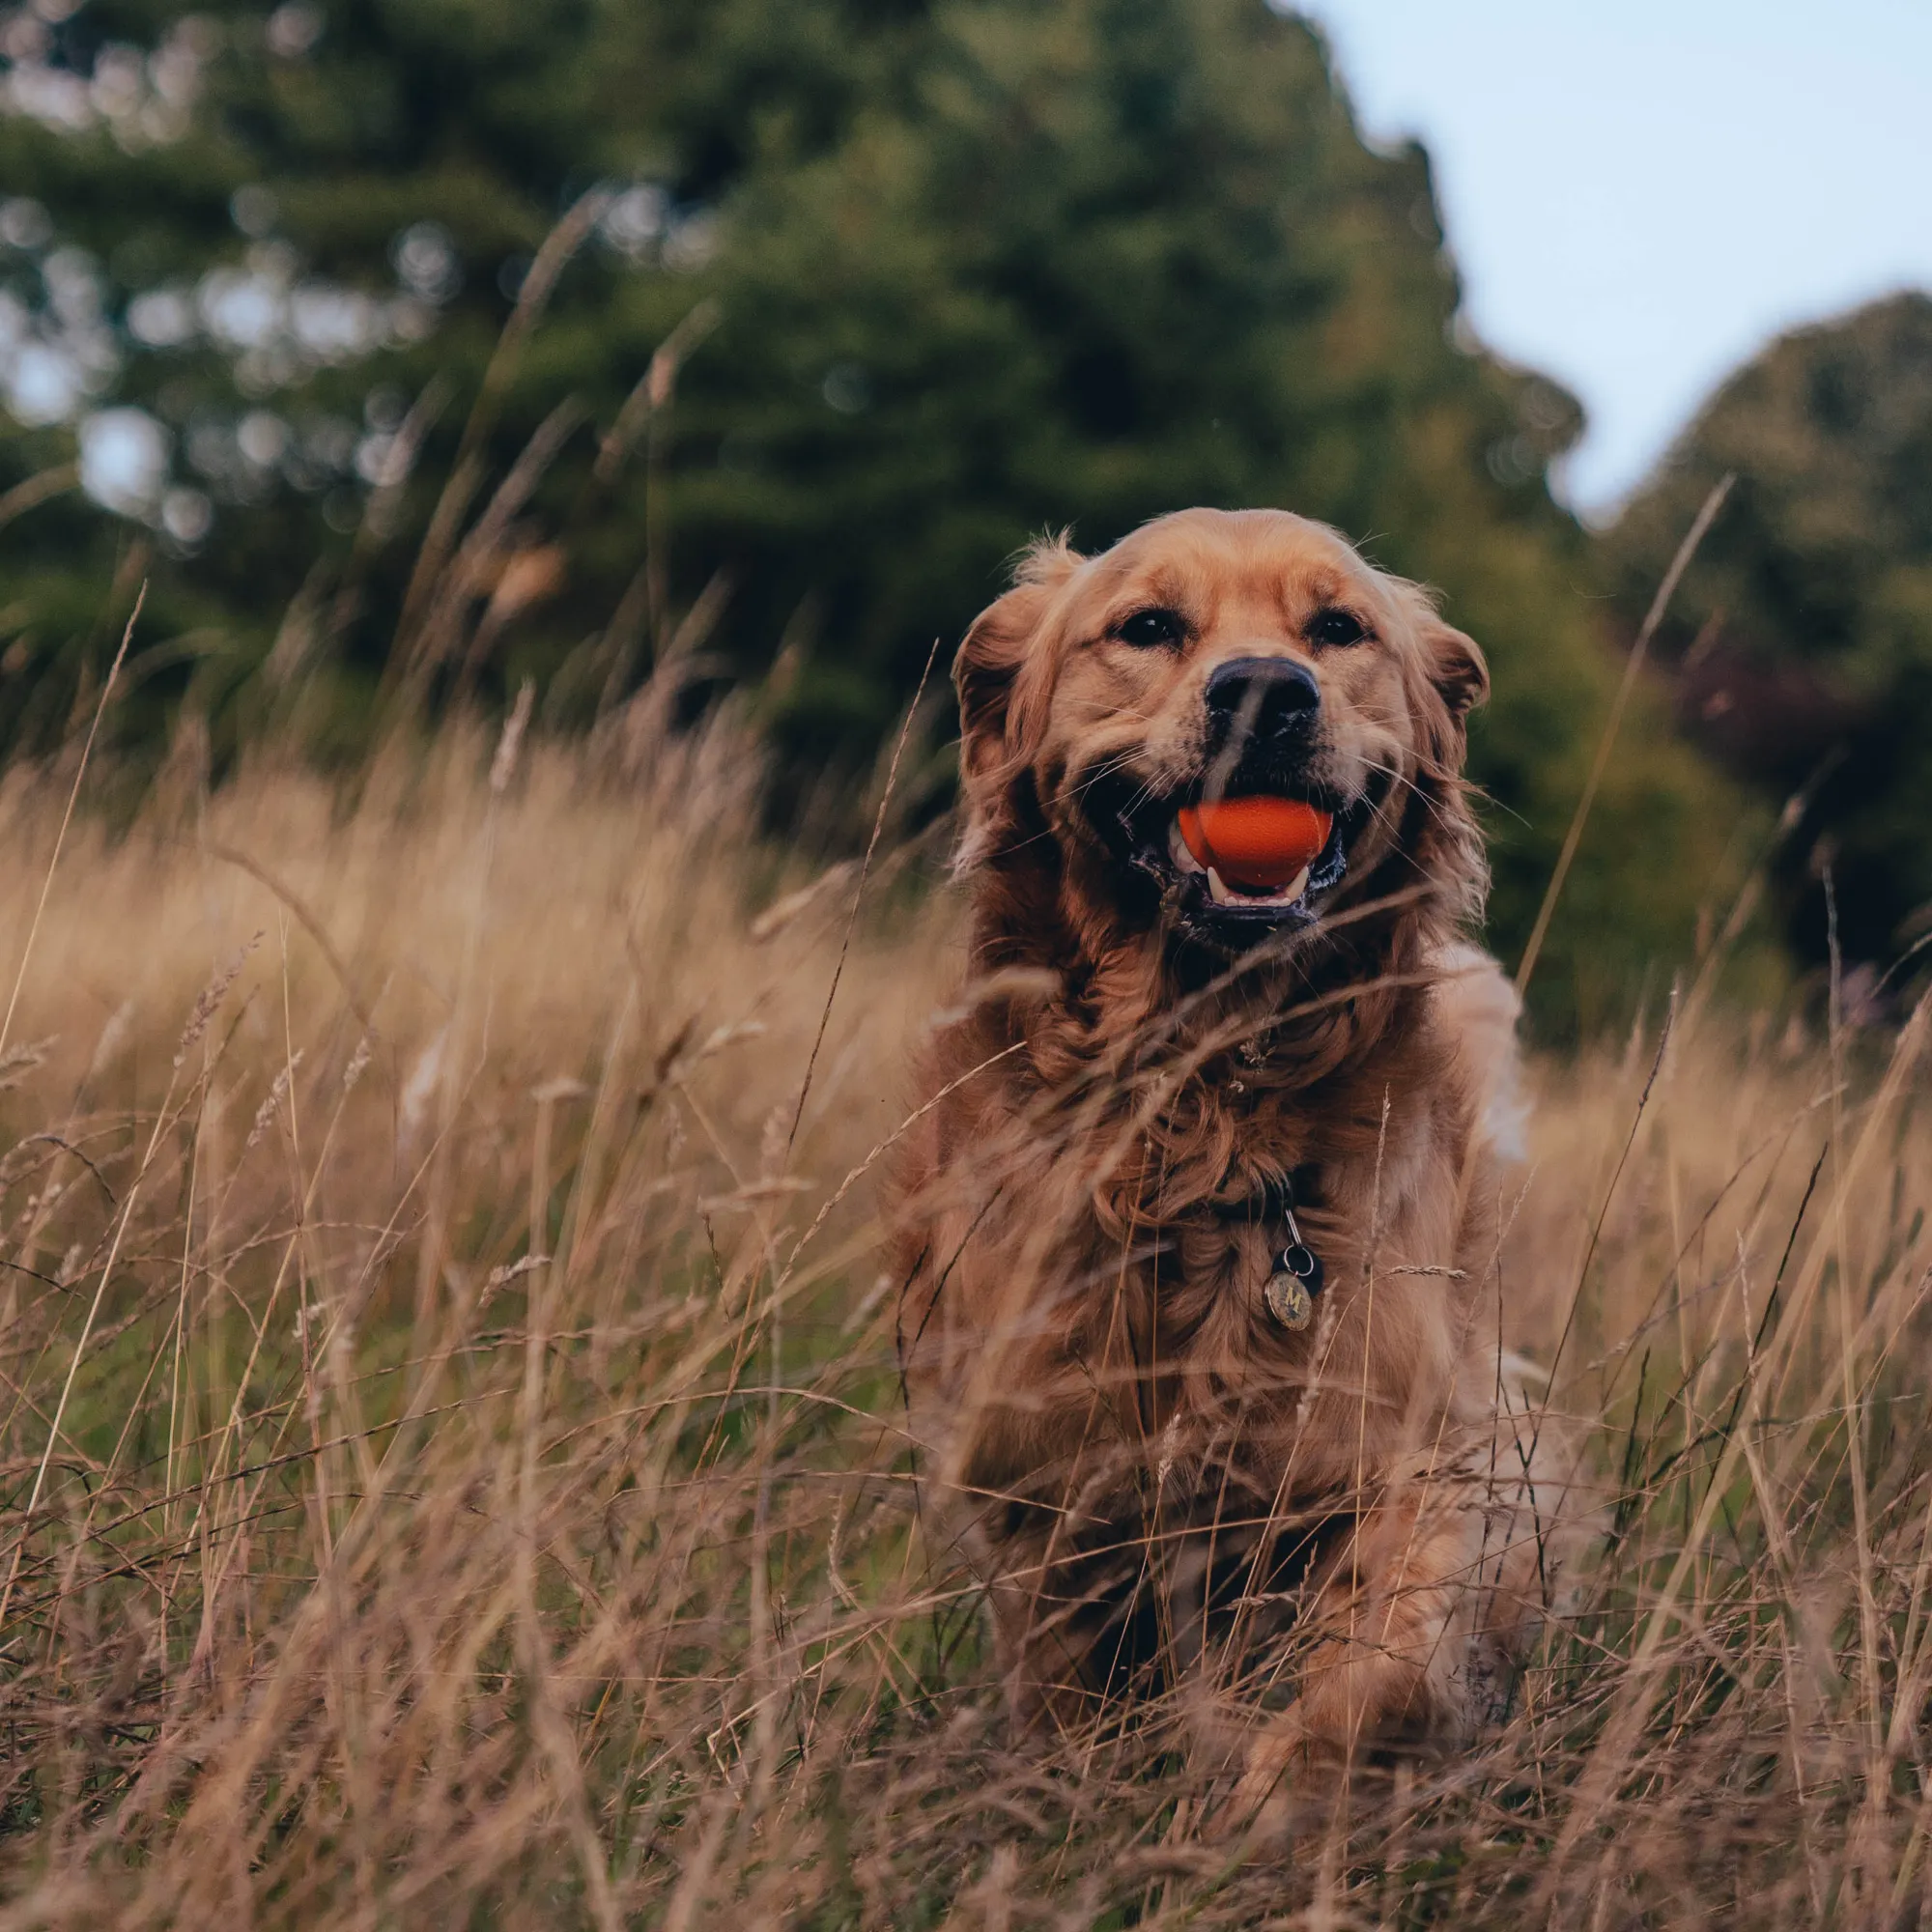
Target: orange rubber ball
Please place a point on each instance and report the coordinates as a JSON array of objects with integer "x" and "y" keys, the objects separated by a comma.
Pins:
[{"x": 1258, "y": 843}]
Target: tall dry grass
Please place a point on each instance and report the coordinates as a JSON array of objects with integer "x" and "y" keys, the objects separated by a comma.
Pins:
[
  {"x": 455, "y": 1470},
  {"x": 453, "y": 1458}
]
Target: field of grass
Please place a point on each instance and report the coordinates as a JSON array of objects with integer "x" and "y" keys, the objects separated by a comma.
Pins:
[{"x": 454, "y": 1468}]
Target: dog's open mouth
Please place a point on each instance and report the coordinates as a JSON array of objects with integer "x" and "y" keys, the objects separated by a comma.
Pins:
[
  {"x": 1205, "y": 891},
  {"x": 1248, "y": 897},
  {"x": 1231, "y": 903}
]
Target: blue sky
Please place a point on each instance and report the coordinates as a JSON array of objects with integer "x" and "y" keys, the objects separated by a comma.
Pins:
[{"x": 1639, "y": 193}]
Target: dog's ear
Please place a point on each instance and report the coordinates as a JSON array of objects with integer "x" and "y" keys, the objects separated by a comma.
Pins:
[
  {"x": 984, "y": 673},
  {"x": 1459, "y": 671},
  {"x": 1444, "y": 840}
]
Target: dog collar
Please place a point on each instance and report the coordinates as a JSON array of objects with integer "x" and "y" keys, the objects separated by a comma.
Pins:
[{"x": 1295, "y": 1279}]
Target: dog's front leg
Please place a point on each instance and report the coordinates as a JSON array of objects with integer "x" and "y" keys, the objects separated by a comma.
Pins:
[{"x": 1385, "y": 1646}]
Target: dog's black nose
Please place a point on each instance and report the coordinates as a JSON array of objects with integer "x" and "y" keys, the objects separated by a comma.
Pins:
[{"x": 1262, "y": 701}]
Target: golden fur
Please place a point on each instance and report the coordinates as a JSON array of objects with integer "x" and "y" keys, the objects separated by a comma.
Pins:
[{"x": 1161, "y": 1487}]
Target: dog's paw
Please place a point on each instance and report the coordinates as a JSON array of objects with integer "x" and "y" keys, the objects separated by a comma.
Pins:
[{"x": 1278, "y": 1768}]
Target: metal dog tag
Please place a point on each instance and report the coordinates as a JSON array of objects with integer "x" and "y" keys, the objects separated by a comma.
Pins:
[{"x": 1292, "y": 1288}]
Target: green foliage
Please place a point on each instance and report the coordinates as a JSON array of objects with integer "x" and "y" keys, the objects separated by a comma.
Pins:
[
  {"x": 1803, "y": 635},
  {"x": 978, "y": 268}
]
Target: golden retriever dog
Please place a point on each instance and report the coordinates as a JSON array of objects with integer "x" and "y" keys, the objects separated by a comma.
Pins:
[{"x": 1199, "y": 1219}]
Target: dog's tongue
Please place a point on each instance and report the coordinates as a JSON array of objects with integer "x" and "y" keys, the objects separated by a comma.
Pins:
[{"x": 1258, "y": 843}]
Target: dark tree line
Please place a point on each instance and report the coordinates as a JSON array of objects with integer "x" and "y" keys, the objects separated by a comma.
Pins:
[
  {"x": 938, "y": 277},
  {"x": 1802, "y": 644}
]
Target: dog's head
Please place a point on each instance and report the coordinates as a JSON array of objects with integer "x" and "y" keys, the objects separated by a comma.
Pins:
[{"x": 1218, "y": 655}]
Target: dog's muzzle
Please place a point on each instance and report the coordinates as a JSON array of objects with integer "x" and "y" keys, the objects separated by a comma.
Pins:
[{"x": 1262, "y": 736}]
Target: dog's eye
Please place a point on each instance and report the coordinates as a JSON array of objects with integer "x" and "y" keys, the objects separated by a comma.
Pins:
[
  {"x": 1152, "y": 627},
  {"x": 1336, "y": 627}
]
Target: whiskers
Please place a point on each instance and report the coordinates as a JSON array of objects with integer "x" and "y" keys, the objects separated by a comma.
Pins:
[{"x": 1143, "y": 794}]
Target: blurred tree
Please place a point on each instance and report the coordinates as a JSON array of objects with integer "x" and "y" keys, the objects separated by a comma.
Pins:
[
  {"x": 943, "y": 272},
  {"x": 1802, "y": 640}
]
